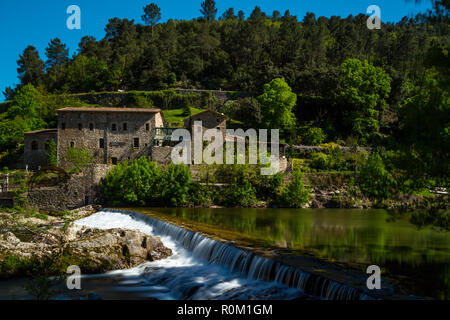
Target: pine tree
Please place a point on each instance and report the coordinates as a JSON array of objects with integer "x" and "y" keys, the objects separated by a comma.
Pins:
[
  {"x": 30, "y": 66},
  {"x": 152, "y": 14},
  {"x": 57, "y": 53},
  {"x": 209, "y": 10}
]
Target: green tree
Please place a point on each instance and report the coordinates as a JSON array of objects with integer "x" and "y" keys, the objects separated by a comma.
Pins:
[
  {"x": 57, "y": 53},
  {"x": 374, "y": 180},
  {"x": 425, "y": 129},
  {"x": 277, "y": 101},
  {"x": 313, "y": 136},
  {"x": 175, "y": 184},
  {"x": 75, "y": 159},
  {"x": 30, "y": 67},
  {"x": 209, "y": 10},
  {"x": 366, "y": 88},
  {"x": 87, "y": 74},
  {"x": 295, "y": 194},
  {"x": 27, "y": 103},
  {"x": 152, "y": 15}
]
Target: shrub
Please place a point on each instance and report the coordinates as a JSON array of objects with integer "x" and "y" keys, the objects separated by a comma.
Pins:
[
  {"x": 142, "y": 182},
  {"x": 76, "y": 159},
  {"x": 374, "y": 180},
  {"x": 175, "y": 183},
  {"x": 313, "y": 136},
  {"x": 240, "y": 193},
  {"x": 294, "y": 194},
  {"x": 199, "y": 195},
  {"x": 52, "y": 159},
  {"x": 319, "y": 161}
]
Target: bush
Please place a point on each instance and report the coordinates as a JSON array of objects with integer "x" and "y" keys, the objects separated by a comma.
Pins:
[
  {"x": 76, "y": 159},
  {"x": 240, "y": 193},
  {"x": 319, "y": 161},
  {"x": 142, "y": 182},
  {"x": 294, "y": 194},
  {"x": 52, "y": 159},
  {"x": 175, "y": 183},
  {"x": 313, "y": 136},
  {"x": 374, "y": 180},
  {"x": 200, "y": 195}
]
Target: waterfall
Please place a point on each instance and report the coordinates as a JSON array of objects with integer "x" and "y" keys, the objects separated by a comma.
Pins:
[{"x": 246, "y": 263}]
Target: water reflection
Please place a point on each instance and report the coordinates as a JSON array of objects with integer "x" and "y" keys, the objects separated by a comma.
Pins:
[{"x": 420, "y": 257}]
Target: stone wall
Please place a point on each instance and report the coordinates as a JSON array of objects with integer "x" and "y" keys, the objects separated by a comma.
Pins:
[
  {"x": 35, "y": 148},
  {"x": 77, "y": 191},
  {"x": 161, "y": 155},
  {"x": 88, "y": 129}
]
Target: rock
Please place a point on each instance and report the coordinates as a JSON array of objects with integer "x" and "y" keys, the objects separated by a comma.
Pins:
[
  {"x": 120, "y": 247},
  {"x": 93, "y": 250}
]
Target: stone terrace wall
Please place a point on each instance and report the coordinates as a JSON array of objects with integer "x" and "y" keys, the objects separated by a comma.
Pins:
[
  {"x": 79, "y": 190},
  {"x": 122, "y": 99},
  {"x": 161, "y": 155}
]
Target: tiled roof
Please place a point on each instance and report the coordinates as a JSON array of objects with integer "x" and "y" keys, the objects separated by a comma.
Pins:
[
  {"x": 42, "y": 131},
  {"x": 207, "y": 111}
]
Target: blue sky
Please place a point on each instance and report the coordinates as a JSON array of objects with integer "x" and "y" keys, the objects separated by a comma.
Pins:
[{"x": 24, "y": 22}]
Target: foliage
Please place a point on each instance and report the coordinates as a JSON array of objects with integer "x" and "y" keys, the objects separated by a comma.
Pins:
[
  {"x": 374, "y": 180},
  {"x": 52, "y": 159},
  {"x": 247, "y": 110},
  {"x": 426, "y": 146},
  {"x": 277, "y": 102},
  {"x": 319, "y": 160},
  {"x": 30, "y": 67},
  {"x": 142, "y": 182},
  {"x": 294, "y": 194},
  {"x": 313, "y": 136},
  {"x": 152, "y": 14},
  {"x": 209, "y": 9},
  {"x": 77, "y": 158},
  {"x": 366, "y": 88}
]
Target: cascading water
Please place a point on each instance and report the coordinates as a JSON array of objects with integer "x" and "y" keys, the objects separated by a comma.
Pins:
[{"x": 202, "y": 268}]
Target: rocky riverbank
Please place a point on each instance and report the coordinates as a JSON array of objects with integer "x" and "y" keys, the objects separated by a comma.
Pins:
[{"x": 35, "y": 244}]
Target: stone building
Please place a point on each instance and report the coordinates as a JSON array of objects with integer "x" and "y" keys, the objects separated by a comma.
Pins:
[
  {"x": 36, "y": 147},
  {"x": 110, "y": 134},
  {"x": 210, "y": 119},
  {"x": 162, "y": 143}
]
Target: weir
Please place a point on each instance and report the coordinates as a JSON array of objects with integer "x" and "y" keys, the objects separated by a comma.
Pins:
[{"x": 248, "y": 264}]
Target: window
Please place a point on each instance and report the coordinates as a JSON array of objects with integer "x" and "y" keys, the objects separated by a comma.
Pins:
[
  {"x": 46, "y": 144},
  {"x": 113, "y": 127},
  {"x": 72, "y": 144},
  {"x": 101, "y": 143},
  {"x": 63, "y": 125},
  {"x": 136, "y": 142},
  {"x": 34, "y": 145},
  {"x": 91, "y": 126},
  {"x": 114, "y": 160},
  {"x": 147, "y": 127},
  {"x": 124, "y": 126},
  {"x": 80, "y": 126}
]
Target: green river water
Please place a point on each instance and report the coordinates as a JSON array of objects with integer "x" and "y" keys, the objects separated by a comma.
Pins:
[{"x": 419, "y": 258}]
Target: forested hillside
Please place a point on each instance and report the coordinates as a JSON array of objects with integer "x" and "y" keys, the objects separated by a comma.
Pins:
[{"x": 386, "y": 88}]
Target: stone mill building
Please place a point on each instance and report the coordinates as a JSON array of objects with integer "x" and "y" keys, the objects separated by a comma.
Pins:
[{"x": 110, "y": 134}]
